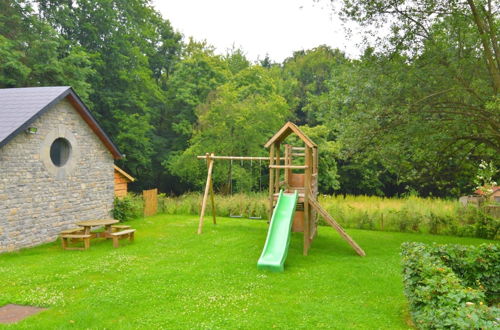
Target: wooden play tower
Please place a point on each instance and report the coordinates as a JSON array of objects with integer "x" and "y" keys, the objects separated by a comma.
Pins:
[{"x": 291, "y": 168}]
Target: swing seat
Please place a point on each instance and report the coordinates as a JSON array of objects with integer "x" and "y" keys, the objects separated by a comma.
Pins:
[
  {"x": 235, "y": 216},
  {"x": 254, "y": 218}
]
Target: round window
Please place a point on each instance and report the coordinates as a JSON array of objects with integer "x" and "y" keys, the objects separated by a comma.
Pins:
[{"x": 60, "y": 150}]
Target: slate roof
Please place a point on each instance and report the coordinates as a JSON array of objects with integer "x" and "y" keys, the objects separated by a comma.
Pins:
[{"x": 19, "y": 107}]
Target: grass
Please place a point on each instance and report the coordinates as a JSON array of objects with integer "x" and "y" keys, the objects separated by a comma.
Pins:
[
  {"x": 172, "y": 278},
  {"x": 405, "y": 214}
]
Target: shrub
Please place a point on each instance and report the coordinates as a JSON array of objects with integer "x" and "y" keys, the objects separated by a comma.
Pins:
[
  {"x": 128, "y": 207},
  {"x": 439, "y": 297},
  {"x": 475, "y": 266}
]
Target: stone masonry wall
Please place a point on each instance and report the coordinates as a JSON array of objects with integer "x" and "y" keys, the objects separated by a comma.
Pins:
[{"x": 38, "y": 199}]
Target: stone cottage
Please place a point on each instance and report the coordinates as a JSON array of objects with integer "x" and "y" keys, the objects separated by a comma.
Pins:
[{"x": 56, "y": 165}]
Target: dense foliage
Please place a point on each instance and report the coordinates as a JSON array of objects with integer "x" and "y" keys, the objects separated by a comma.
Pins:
[
  {"x": 127, "y": 208},
  {"x": 417, "y": 113},
  {"x": 448, "y": 286}
]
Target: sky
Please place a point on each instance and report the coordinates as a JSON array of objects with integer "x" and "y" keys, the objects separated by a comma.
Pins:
[{"x": 275, "y": 28}]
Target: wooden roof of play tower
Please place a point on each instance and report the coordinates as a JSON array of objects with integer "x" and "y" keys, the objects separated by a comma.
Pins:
[{"x": 285, "y": 131}]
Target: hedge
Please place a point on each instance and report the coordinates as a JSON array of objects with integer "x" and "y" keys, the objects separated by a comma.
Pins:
[{"x": 450, "y": 286}]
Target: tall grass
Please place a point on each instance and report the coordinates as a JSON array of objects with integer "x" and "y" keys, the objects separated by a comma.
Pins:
[
  {"x": 244, "y": 205},
  {"x": 407, "y": 214}
]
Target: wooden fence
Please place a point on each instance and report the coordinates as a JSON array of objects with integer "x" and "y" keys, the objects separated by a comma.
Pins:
[{"x": 150, "y": 201}]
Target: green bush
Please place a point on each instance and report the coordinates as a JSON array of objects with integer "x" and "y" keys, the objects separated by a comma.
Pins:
[
  {"x": 128, "y": 207},
  {"x": 475, "y": 266},
  {"x": 441, "y": 298}
]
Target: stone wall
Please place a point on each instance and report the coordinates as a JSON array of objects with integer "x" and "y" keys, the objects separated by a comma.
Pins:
[{"x": 39, "y": 199}]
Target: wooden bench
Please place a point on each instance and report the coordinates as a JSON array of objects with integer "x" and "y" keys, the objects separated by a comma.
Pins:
[
  {"x": 78, "y": 230},
  {"x": 122, "y": 234},
  {"x": 66, "y": 237},
  {"x": 116, "y": 228}
]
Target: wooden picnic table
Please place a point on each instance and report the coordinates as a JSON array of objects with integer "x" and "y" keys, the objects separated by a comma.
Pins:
[{"x": 88, "y": 224}]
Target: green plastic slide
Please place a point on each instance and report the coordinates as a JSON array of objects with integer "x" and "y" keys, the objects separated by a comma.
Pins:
[{"x": 278, "y": 237}]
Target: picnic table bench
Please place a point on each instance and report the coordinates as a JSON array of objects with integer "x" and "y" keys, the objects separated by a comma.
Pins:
[
  {"x": 66, "y": 237},
  {"x": 122, "y": 234},
  {"x": 85, "y": 233}
]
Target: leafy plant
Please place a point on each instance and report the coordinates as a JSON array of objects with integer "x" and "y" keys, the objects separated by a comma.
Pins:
[
  {"x": 441, "y": 298},
  {"x": 485, "y": 178},
  {"x": 128, "y": 207}
]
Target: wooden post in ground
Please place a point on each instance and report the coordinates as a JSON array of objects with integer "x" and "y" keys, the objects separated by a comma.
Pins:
[
  {"x": 307, "y": 189},
  {"x": 271, "y": 181},
  {"x": 288, "y": 162},
  {"x": 212, "y": 195},
  {"x": 210, "y": 163},
  {"x": 277, "y": 174}
]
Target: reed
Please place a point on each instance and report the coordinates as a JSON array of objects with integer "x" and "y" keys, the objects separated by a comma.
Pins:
[{"x": 405, "y": 214}]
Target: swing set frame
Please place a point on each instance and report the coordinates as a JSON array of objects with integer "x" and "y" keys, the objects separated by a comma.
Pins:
[
  {"x": 296, "y": 177},
  {"x": 209, "y": 186}
]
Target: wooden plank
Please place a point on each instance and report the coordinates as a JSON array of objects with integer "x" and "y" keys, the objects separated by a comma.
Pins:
[
  {"x": 123, "y": 174},
  {"x": 277, "y": 174},
  {"x": 307, "y": 215},
  {"x": 314, "y": 203},
  {"x": 150, "y": 201},
  {"x": 123, "y": 232},
  {"x": 292, "y": 167},
  {"x": 296, "y": 154},
  {"x": 212, "y": 200},
  {"x": 235, "y": 157},
  {"x": 287, "y": 162},
  {"x": 75, "y": 236},
  {"x": 271, "y": 182},
  {"x": 299, "y": 148},
  {"x": 205, "y": 194},
  {"x": 72, "y": 231},
  {"x": 285, "y": 131}
]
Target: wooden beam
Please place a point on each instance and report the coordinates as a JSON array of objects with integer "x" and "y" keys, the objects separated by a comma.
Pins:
[
  {"x": 235, "y": 157},
  {"x": 277, "y": 169},
  {"x": 271, "y": 181},
  {"x": 207, "y": 188},
  {"x": 293, "y": 167},
  {"x": 212, "y": 199},
  {"x": 288, "y": 161},
  {"x": 328, "y": 218},
  {"x": 307, "y": 213}
]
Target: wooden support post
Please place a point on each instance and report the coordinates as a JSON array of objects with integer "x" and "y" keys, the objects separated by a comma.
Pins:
[
  {"x": 315, "y": 187},
  {"x": 287, "y": 163},
  {"x": 212, "y": 198},
  {"x": 307, "y": 190},
  {"x": 277, "y": 174},
  {"x": 86, "y": 243},
  {"x": 271, "y": 181},
  {"x": 210, "y": 163}
]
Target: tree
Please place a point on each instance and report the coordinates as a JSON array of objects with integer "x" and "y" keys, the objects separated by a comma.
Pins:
[
  {"x": 426, "y": 101},
  {"x": 134, "y": 51},
  {"x": 236, "y": 119},
  {"x": 456, "y": 38},
  {"x": 33, "y": 54},
  {"x": 311, "y": 69}
]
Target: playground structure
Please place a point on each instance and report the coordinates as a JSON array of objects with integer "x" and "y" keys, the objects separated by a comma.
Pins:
[{"x": 293, "y": 191}]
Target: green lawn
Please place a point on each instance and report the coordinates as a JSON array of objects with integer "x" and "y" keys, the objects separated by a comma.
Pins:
[{"x": 172, "y": 278}]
